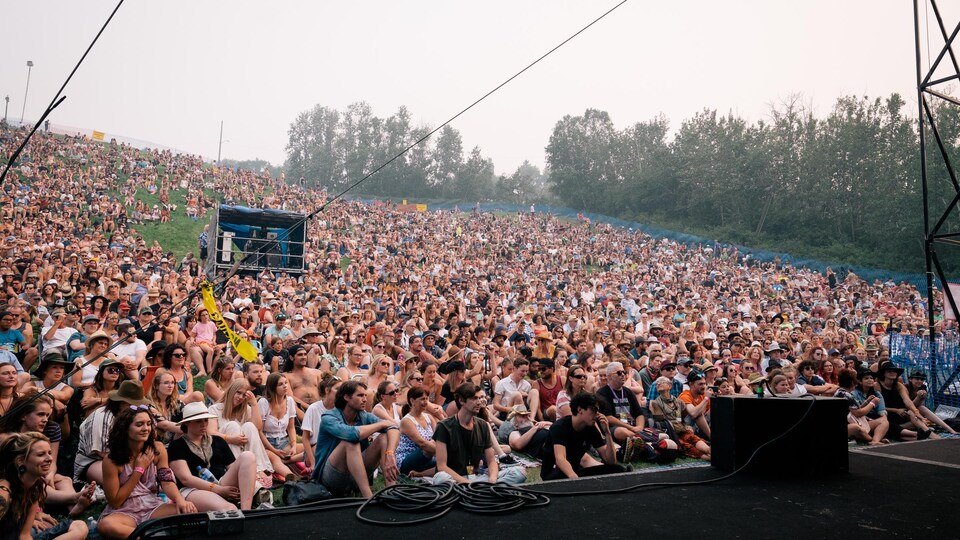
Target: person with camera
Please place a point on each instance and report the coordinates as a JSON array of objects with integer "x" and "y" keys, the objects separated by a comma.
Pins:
[{"x": 565, "y": 454}]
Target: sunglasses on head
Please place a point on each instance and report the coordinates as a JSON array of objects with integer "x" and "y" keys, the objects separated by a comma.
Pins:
[{"x": 139, "y": 408}]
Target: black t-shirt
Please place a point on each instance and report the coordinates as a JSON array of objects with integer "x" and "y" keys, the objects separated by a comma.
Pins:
[
  {"x": 576, "y": 443},
  {"x": 622, "y": 404},
  {"x": 146, "y": 334},
  {"x": 221, "y": 459}
]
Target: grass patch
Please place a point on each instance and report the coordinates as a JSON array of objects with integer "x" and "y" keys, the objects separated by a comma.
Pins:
[{"x": 178, "y": 235}]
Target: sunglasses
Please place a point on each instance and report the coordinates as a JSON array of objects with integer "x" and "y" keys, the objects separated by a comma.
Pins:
[
  {"x": 578, "y": 376},
  {"x": 668, "y": 369},
  {"x": 112, "y": 369},
  {"x": 621, "y": 372},
  {"x": 391, "y": 394},
  {"x": 384, "y": 363},
  {"x": 179, "y": 355},
  {"x": 139, "y": 408},
  {"x": 420, "y": 379}
]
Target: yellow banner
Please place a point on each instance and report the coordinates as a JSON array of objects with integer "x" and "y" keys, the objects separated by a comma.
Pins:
[
  {"x": 98, "y": 135},
  {"x": 242, "y": 346}
]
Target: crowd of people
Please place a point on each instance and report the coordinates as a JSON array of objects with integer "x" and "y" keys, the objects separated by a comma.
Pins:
[{"x": 435, "y": 346}]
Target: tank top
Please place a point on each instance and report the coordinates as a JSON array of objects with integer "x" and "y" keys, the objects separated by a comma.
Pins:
[
  {"x": 892, "y": 398},
  {"x": 406, "y": 445},
  {"x": 548, "y": 396}
]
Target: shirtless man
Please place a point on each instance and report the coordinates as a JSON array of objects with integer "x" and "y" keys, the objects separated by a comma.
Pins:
[{"x": 304, "y": 381}]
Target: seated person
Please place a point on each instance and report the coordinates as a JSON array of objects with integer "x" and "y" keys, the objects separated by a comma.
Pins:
[
  {"x": 463, "y": 440},
  {"x": 565, "y": 455},
  {"x": 196, "y": 450},
  {"x": 521, "y": 433},
  {"x": 134, "y": 473},
  {"x": 696, "y": 401},
  {"x": 345, "y": 457},
  {"x": 620, "y": 405},
  {"x": 416, "y": 449}
]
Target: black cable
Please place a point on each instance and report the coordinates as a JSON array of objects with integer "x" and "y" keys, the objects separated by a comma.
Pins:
[
  {"x": 283, "y": 234},
  {"x": 57, "y": 100},
  {"x": 436, "y": 500}
]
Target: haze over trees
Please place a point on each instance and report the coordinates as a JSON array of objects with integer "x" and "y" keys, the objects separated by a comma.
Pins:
[{"x": 842, "y": 187}]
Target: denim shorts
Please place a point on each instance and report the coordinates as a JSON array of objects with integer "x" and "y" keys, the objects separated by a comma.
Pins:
[{"x": 280, "y": 442}]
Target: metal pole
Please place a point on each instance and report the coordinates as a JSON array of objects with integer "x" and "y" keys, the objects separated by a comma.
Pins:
[
  {"x": 29, "y": 69},
  {"x": 220, "y": 146},
  {"x": 5, "y": 107},
  {"x": 927, "y": 241}
]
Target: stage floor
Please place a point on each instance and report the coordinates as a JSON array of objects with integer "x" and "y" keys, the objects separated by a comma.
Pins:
[{"x": 903, "y": 491}]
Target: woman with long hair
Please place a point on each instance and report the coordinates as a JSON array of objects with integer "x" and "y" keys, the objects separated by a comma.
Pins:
[
  {"x": 8, "y": 386},
  {"x": 278, "y": 411},
  {"x": 109, "y": 376},
  {"x": 135, "y": 471},
  {"x": 25, "y": 461},
  {"x": 238, "y": 422},
  {"x": 827, "y": 371},
  {"x": 381, "y": 370},
  {"x": 100, "y": 307},
  {"x": 167, "y": 405},
  {"x": 34, "y": 413},
  {"x": 385, "y": 402},
  {"x": 220, "y": 378},
  {"x": 576, "y": 383},
  {"x": 174, "y": 361}
]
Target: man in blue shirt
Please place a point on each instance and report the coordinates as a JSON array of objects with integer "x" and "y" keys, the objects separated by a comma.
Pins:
[{"x": 345, "y": 456}]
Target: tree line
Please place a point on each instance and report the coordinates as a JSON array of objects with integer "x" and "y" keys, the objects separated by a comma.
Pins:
[
  {"x": 842, "y": 187},
  {"x": 332, "y": 149}
]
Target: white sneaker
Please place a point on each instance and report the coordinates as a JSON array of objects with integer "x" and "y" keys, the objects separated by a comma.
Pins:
[{"x": 99, "y": 495}]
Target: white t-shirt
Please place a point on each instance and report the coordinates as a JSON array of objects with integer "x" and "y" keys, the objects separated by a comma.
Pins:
[
  {"x": 312, "y": 419},
  {"x": 126, "y": 349},
  {"x": 506, "y": 388},
  {"x": 273, "y": 426}
]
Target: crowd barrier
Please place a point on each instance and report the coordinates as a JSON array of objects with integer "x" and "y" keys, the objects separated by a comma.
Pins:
[{"x": 943, "y": 380}]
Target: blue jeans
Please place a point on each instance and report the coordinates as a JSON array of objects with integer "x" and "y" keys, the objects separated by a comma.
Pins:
[{"x": 417, "y": 461}]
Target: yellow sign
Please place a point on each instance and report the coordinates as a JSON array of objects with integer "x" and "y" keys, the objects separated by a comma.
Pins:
[
  {"x": 242, "y": 346},
  {"x": 98, "y": 135}
]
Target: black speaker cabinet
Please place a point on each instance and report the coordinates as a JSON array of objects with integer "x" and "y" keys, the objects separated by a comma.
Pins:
[{"x": 739, "y": 425}]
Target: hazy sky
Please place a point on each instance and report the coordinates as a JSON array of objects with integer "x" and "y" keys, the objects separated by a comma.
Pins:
[{"x": 169, "y": 71}]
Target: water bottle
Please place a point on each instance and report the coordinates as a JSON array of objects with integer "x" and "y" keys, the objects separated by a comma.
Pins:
[
  {"x": 163, "y": 497},
  {"x": 204, "y": 474}
]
